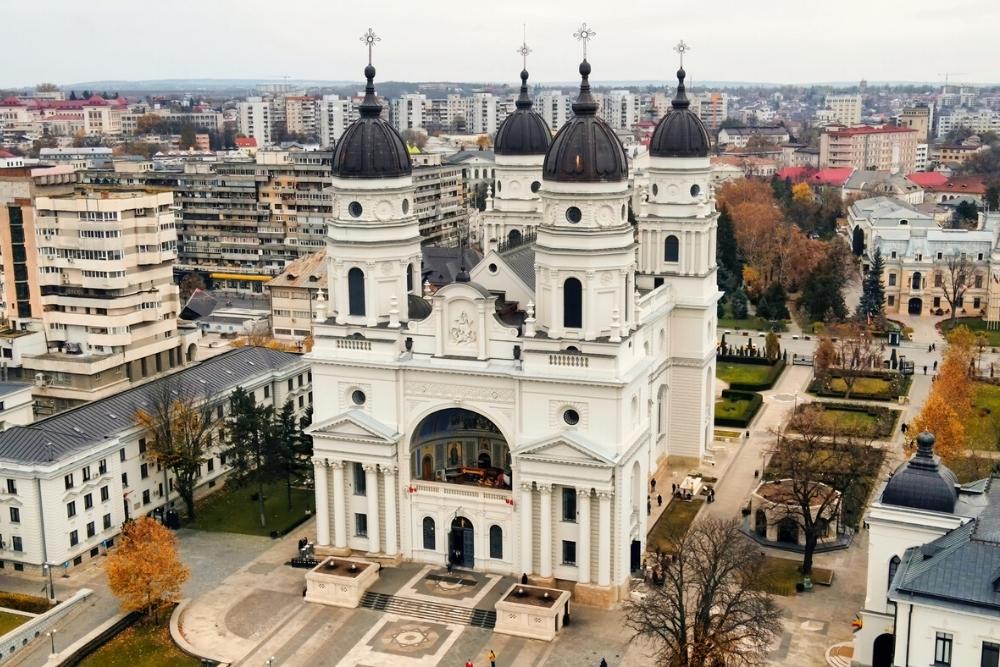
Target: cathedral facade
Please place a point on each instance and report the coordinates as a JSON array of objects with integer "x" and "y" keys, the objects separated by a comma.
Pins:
[{"x": 509, "y": 422}]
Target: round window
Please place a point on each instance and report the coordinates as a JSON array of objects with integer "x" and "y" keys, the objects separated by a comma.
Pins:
[
  {"x": 656, "y": 189},
  {"x": 573, "y": 214},
  {"x": 358, "y": 397},
  {"x": 695, "y": 190},
  {"x": 535, "y": 186},
  {"x": 355, "y": 209},
  {"x": 492, "y": 268},
  {"x": 406, "y": 206},
  {"x": 571, "y": 417}
]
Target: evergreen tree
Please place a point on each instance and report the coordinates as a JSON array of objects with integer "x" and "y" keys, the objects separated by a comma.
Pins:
[
  {"x": 872, "y": 303},
  {"x": 291, "y": 452},
  {"x": 739, "y": 305},
  {"x": 822, "y": 295},
  {"x": 250, "y": 436},
  {"x": 726, "y": 251},
  {"x": 72, "y": 94},
  {"x": 772, "y": 303}
]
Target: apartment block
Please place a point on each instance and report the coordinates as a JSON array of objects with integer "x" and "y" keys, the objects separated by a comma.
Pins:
[
  {"x": 555, "y": 107},
  {"x": 845, "y": 109},
  {"x": 482, "y": 114},
  {"x": 439, "y": 201},
  {"x": 335, "y": 114},
  {"x": 622, "y": 109},
  {"x": 301, "y": 115},
  {"x": 408, "y": 112},
  {"x": 256, "y": 116},
  {"x": 294, "y": 293},
  {"x": 886, "y": 148},
  {"x": 711, "y": 107},
  {"x": 984, "y": 120}
]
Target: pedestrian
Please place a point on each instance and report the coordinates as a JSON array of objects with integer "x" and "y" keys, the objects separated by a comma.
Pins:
[
  {"x": 673, "y": 488},
  {"x": 524, "y": 578},
  {"x": 925, "y": 369},
  {"x": 935, "y": 367},
  {"x": 659, "y": 500},
  {"x": 468, "y": 663},
  {"x": 649, "y": 506},
  {"x": 492, "y": 657},
  {"x": 449, "y": 565},
  {"x": 929, "y": 348},
  {"x": 652, "y": 484},
  {"x": 604, "y": 663}
]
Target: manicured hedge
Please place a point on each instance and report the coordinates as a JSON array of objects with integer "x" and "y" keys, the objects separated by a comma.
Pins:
[
  {"x": 900, "y": 382},
  {"x": 21, "y": 602},
  {"x": 756, "y": 400},
  {"x": 772, "y": 375},
  {"x": 884, "y": 418}
]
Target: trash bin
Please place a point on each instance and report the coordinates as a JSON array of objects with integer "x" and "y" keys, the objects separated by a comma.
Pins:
[{"x": 173, "y": 519}]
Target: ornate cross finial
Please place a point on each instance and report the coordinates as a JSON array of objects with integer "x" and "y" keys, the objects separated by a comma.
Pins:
[
  {"x": 369, "y": 39},
  {"x": 681, "y": 49},
  {"x": 585, "y": 34},
  {"x": 524, "y": 50}
]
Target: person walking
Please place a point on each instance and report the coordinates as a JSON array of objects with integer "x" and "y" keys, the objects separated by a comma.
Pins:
[
  {"x": 469, "y": 663},
  {"x": 604, "y": 663},
  {"x": 649, "y": 506},
  {"x": 652, "y": 483},
  {"x": 659, "y": 500},
  {"x": 492, "y": 657}
]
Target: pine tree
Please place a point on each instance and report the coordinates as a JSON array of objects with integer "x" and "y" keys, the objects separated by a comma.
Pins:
[
  {"x": 250, "y": 436},
  {"x": 872, "y": 303},
  {"x": 291, "y": 451},
  {"x": 726, "y": 252},
  {"x": 772, "y": 303},
  {"x": 738, "y": 304}
]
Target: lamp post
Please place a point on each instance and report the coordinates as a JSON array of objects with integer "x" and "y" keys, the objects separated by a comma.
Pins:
[
  {"x": 52, "y": 640},
  {"x": 52, "y": 589},
  {"x": 270, "y": 661}
]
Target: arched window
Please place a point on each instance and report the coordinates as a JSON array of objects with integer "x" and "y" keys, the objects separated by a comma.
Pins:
[
  {"x": 671, "y": 249},
  {"x": 893, "y": 566},
  {"x": 409, "y": 277},
  {"x": 430, "y": 540},
  {"x": 356, "y": 292},
  {"x": 572, "y": 304},
  {"x": 496, "y": 542},
  {"x": 916, "y": 280}
]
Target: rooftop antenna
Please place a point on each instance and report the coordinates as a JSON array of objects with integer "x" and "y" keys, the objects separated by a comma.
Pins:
[{"x": 585, "y": 34}]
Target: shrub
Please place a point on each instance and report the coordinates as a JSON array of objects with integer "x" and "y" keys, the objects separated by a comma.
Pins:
[
  {"x": 21, "y": 602},
  {"x": 772, "y": 375},
  {"x": 753, "y": 404}
]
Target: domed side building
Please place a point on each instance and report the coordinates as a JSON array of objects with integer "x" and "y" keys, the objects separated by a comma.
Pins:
[
  {"x": 933, "y": 567},
  {"x": 510, "y": 421}
]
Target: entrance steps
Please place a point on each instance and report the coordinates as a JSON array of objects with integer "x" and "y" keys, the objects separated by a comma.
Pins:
[{"x": 429, "y": 611}]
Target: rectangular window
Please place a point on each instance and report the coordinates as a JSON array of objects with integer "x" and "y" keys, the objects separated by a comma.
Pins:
[
  {"x": 71, "y": 509},
  {"x": 12, "y": 486},
  {"x": 105, "y": 494},
  {"x": 107, "y": 521},
  {"x": 121, "y": 454},
  {"x": 361, "y": 525},
  {"x": 74, "y": 538},
  {"x": 125, "y": 479},
  {"x": 91, "y": 530},
  {"x": 979, "y": 257},
  {"x": 15, "y": 515},
  {"x": 15, "y": 543},
  {"x": 979, "y": 281},
  {"x": 68, "y": 480},
  {"x": 891, "y": 300},
  {"x": 892, "y": 279},
  {"x": 291, "y": 384},
  {"x": 142, "y": 445},
  {"x": 144, "y": 471},
  {"x": 86, "y": 473},
  {"x": 937, "y": 280},
  {"x": 892, "y": 255},
  {"x": 976, "y": 302},
  {"x": 942, "y": 648},
  {"x": 360, "y": 483},
  {"x": 991, "y": 655},
  {"x": 102, "y": 467},
  {"x": 267, "y": 392},
  {"x": 145, "y": 497},
  {"x": 940, "y": 255},
  {"x": 568, "y": 552},
  {"x": 88, "y": 501},
  {"x": 937, "y": 302},
  {"x": 569, "y": 505},
  {"x": 211, "y": 465},
  {"x": 302, "y": 380}
]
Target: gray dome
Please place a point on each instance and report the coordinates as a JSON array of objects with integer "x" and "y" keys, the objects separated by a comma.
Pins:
[
  {"x": 922, "y": 482},
  {"x": 680, "y": 133},
  {"x": 524, "y": 132},
  {"x": 586, "y": 150},
  {"x": 371, "y": 147}
]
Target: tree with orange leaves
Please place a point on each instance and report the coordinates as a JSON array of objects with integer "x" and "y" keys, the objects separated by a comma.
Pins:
[
  {"x": 145, "y": 571},
  {"x": 943, "y": 420}
]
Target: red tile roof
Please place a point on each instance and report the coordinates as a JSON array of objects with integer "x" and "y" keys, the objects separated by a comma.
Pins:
[
  {"x": 867, "y": 129},
  {"x": 11, "y": 102},
  {"x": 835, "y": 176},
  {"x": 4, "y": 153},
  {"x": 796, "y": 174},
  {"x": 927, "y": 179},
  {"x": 971, "y": 185},
  {"x": 246, "y": 142}
]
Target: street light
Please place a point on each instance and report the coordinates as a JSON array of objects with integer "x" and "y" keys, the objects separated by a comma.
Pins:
[
  {"x": 52, "y": 639},
  {"x": 270, "y": 661},
  {"x": 52, "y": 590}
]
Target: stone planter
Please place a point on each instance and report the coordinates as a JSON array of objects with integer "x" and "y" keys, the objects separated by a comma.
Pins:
[
  {"x": 532, "y": 611},
  {"x": 340, "y": 582}
]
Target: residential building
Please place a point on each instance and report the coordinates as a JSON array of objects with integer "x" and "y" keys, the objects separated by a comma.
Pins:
[
  {"x": 482, "y": 114},
  {"x": 846, "y": 109},
  {"x": 622, "y": 109},
  {"x": 200, "y": 118},
  {"x": 555, "y": 108},
  {"x": 734, "y": 167},
  {"x": 294, "y": 294},
  {"x": 255, "y": 119},
  {"x": 408, "y": 112},
  {"x": 478, "y": 167},
  {"x": 866, "y": 184},
  {"x": 70, "y": 481},
  {"x": 301, "y": 115},
  {"x": 335, "y": 114},
  {"x": 984, "y": 120},
  {"x": 918, "y": 118},
  {"x": 954, "y": 155},
  {"x": 439, "y": 201},
  {"x": 78, "y": 157},
  {"x": 922, "y": 160},
  {"x": 712, "y": 108},
  {"x": 739, "y": 137},
  {"x": 883, "y": 148},
  {"x": 16, "y": 404},
  {"x": 939, "y": 188}
]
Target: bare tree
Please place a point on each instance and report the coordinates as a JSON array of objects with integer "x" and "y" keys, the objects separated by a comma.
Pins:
[
  {"x": 956, "y": 279},
  {"x": 819, "y": 464},
  {"x": 857, "y": 352},
  {"x": 707, "y": 612}
]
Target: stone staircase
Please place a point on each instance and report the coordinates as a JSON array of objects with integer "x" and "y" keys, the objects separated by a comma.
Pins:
[{"x": 429, "y": 611}]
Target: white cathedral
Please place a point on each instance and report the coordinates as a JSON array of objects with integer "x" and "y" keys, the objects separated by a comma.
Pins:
[{"x": 509, "y": 422}]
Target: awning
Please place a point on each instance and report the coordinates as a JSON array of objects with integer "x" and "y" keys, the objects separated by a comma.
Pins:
[{"x": 240, "y": 276}]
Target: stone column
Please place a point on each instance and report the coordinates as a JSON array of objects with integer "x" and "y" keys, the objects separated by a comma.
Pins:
[
  {"x": 391, "y": 528},
  {"x": 604, "y": 545},
  {"x": 583, "y": 541},
  {"x": 545, "y": 534},
  {"x": 371, "y": 490},
  {"x": 322, "y": 502},
  {"x": 339, "y": 510},
  {"x": 526, "y": 519}
]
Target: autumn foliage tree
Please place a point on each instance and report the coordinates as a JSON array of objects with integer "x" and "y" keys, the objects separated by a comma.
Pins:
[
  {"x": 145, "y": 571},
  {"x": 949, "y": 405}
]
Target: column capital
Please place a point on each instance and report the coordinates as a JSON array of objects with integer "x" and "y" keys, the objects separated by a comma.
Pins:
[
  {"x": 605, "y": 494},
  {"x": 583, "y": 493},
  {"x": 526, "y": 486},
  {"x": 320, "y": 462},
  {"x": 545, "y": 489},
  {"x": 336, "y": 465},
  {"x": 370, "y": 467},
  {"x": 388, "y": 470}
]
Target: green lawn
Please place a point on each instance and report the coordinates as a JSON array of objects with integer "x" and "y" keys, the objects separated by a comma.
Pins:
[
  {"x": 849, "y": 420},
  {"x": 779, "y": 576},
  {"x": 729, "y": 408},
  {"x": 672, "y": 524},
  {"x": 231, "y": 510},
  {"x": 142, "y": 645},
  {"x": 9, "y": 621},
  {"x": 752, "y": 323},
  {"x": 983, "y": 426},
  {"x": 976, "y": 325},
  {"x": 742, "y": 373},
  {"x": 862, "y": 385}
]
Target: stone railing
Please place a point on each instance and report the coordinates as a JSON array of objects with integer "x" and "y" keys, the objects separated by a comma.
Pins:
[
  {"x": 462, "y": 491},
  {"x": 354, "y": 344},
  {"x": 571, "y": 360},
  {"x": 15, "y": 640}
]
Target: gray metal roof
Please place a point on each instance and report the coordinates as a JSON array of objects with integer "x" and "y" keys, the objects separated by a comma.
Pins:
[
  {"x": 67, "y": 433},
  {"x": 521, "y": 261},
  {"x": 7, "y": 388}
]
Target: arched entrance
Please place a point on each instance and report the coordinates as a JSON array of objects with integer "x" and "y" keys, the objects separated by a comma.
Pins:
[
  {"x": 458, "y": 446},
  {"x": 915, "y": 306},
  {"x": 788, "y": 531},
  {"x": 760, "y": 523},
  {"x": 462, "y": 543},
  {"x": 882, "y": 651},
  {"x": 858, "y": 241},
  {"x": 514, "y": 237}
]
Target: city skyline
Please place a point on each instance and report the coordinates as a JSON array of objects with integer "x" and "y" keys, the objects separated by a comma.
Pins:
[{"x": 630, "y": 45}]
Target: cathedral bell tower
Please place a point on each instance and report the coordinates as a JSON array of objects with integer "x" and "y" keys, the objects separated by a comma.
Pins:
[
  {"x": 373, "y": 238},
  {"x": 585, "y": 251}
]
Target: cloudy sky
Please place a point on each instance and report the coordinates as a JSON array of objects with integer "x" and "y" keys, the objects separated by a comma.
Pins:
[{"x": 791, "y": 41}]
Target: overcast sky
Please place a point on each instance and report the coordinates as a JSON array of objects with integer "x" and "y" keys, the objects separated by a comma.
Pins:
[{"x": 790, "y": 41}]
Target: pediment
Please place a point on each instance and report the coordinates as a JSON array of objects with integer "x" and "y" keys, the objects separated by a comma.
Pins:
[
  {"x": 354, "y": 425},
  {"x": 565, "y": 448}
]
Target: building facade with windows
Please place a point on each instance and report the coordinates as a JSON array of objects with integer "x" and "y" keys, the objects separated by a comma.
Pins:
[
  {"x": 886, "y": 148},
  {"x": 516, "y": 437},
  {"x": 68, "y": 482}
]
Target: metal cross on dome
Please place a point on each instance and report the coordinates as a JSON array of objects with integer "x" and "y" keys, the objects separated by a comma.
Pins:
[
  {"x": 369, "y": 39},
  {"x": 585, "y": 34},
  {"x": 681, "y": 49},
  {"x": 524, "y": 50}
]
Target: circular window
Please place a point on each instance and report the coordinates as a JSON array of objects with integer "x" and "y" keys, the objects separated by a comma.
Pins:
[
  {"x": 355, "y": 209},
  {"x": 573, "y": 214},
  {"x": 535, "y": 186},
  {"x": 358, "y": 397},
  {"x": 406, "y": 206},
  {"x": 492, "y": 268},
  {"x": 571, "y": 417},
  {"x": 656, "y": 189},
  {"x": 695, "y": 190}
]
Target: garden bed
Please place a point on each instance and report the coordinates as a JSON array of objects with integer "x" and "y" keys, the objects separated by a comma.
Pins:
[
  {"x": 233, "y": 510},
  {"x": 752, "y": 324},
  {"x": 748, "y": 373},
  {"x": 737, "y": 408},
  {"x": 871, "y": 386},
  {"x": 779, "y": 576},
  {"x": 9, "y": 621},
  {"x": 976, "y": 325},
  {"x": 22, "y": 602},
  {"x": 141, "y": 645},
  {"x": 981, "y": 429},
  {"x": 673, "y": 524},
  {"x": 875, "y": 421}
]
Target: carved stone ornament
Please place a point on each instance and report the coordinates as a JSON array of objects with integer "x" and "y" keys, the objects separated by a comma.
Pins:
[{"x": 464, "y": 330}]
